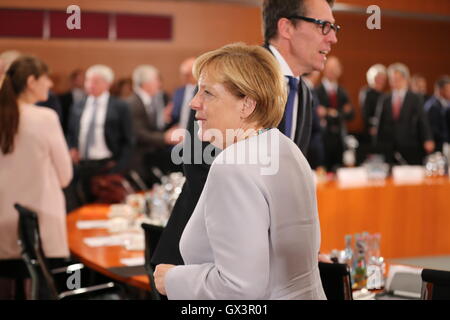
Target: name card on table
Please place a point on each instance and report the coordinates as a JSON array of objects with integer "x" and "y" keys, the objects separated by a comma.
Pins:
[
  {"x": 352, "y": 177},
  {"x": 408, "y": 174}
]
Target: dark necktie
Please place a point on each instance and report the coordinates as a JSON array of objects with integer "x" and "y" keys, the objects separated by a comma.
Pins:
[
  {"x": 90, "y": 136},
  {"x": 289, "y": 112},
  {"x": 332, "y": 97}
]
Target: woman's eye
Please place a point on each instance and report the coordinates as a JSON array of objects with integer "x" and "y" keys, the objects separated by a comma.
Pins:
[{"x": 208, "y": 93}]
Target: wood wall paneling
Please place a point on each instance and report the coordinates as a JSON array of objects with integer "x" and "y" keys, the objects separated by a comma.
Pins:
[{"x": 197, "y": 27}]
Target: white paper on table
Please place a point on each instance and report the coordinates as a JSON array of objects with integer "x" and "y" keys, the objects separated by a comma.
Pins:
[
  {"x": 92, "y": 224},
  {"x": 352, "y": 177},
  {"x": 131, "y": 262},
  {"x": 115, "y": 240},
  {"x": 408, "y": 174}
]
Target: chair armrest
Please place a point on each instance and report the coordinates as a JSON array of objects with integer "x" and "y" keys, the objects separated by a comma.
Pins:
[
  {"x": 97, "y": 289},
  {"x": 68, "y": 269}
]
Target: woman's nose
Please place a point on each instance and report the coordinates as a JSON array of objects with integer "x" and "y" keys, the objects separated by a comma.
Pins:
[{"x": 195, "y": 103}]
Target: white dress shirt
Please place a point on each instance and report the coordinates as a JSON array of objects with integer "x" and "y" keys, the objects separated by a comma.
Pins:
[
  {"x": 330, "y": 86},
  {"x": 398, "y": 94},
  {"x": 99, "y": 150},
  {"x": 185, "y": 108},
  {"x": 287, "y": 71}
]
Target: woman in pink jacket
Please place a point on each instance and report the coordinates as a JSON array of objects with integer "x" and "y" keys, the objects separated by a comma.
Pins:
[{"x": 34, "y": 161}]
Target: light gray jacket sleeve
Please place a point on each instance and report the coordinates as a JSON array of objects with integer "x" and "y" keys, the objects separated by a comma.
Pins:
[{"x": 237, "y": 222}]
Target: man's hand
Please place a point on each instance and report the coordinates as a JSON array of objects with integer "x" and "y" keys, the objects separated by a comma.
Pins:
[
  {"x": 160, "y": 275},
  {"x": 74, "y": 155},
  {"x": 172, "y": 136},
  {"x": 429, "y": 146},
  {"x": 321, "y": 111},
  {"x": 168, "y": 112}
]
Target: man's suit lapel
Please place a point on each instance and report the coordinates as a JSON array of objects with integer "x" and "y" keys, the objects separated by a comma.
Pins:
[
  {"x": 108, "y": 120},
  {"x": 322, "y": 92},
  {"x": 79, "y": 109},
  {"x": 304, "y": 117},
  {"x": 406, "y": 105}
]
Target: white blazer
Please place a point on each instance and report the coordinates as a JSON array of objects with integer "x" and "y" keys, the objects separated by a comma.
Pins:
[
  {"x": 254, "y": 233},
  {"x": 33, "y": 175}
]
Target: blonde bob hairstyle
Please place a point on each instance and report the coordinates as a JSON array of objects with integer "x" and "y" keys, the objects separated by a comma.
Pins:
[{"x": 248, "y": 71}]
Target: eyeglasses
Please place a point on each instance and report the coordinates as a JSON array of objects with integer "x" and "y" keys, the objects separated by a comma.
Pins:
[{"x": 326, "y": 26}]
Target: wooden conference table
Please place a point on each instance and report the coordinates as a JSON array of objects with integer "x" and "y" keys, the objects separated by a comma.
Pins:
[{"x": 414, "y": 220}]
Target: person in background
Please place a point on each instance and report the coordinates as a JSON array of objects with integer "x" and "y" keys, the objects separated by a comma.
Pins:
[
  {"x": 300, "y": 44},
  {"x": 336, "y": 110},
  {"x": 183, "y": 95},
  {"x": 418, "y": 85},
  {"x": 369, "y": 96},
  {"x": 34, "y": 164},
  {"x": 436, "y": 108},
  {"x": 370, "y": 103},
  {"x": 236, "y": 244},
  {"x": 100, "y": 131},
  {"x": 147, "y": 110},
  {"x": 403, "y": 133},
  {"x": 6, "y": 58},
  {"x": 73, "y": 96},
  {"x": 123, "y": 88}
]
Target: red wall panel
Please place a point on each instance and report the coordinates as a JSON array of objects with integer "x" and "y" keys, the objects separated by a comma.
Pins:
[
  {"x": 93, "y": 25},
  {"x": 21, "y": 23},
  {"x": 143, "y": 27}
]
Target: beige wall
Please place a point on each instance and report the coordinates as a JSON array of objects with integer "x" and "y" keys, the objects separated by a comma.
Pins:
[{"x": 197, "y": 27}]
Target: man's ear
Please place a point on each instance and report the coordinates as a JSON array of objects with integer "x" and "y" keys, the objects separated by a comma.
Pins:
[
  {"x": 248, "y": 106},
  {"x": 285, "y": 28}
]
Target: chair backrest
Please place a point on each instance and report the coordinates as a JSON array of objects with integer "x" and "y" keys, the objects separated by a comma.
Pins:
[
  {"x": 435, "y": 285},
  {"x": 336, "y": 281},
  {"x": 43, "y": 285},
  {"x": 152, "y": 234}
]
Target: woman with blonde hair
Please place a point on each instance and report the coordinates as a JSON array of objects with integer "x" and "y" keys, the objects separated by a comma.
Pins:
[{"x": 255, "y": 232}]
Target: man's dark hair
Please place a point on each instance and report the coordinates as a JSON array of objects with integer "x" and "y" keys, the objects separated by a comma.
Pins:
[
  {"x": 442, "y": 82},
  {"x": 274, "y": 10}
]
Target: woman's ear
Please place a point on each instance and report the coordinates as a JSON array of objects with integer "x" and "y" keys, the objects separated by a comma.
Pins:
[
  {"x": 31, "y": 80},
  {"x": 248, "y": 107}
]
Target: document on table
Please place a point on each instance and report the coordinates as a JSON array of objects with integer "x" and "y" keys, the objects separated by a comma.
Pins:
[
  {"x": 114, "y": 240},
  {"x": 92, "y": 224},
  {"x": 131, "y": 262}
]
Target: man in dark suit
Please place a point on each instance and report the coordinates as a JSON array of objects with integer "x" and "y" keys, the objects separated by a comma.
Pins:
[
  {"x": 100, "y": 135},
  {"x": 147, "y": 109},
  {"x": 335, "y": 109},
  {"x": 71, "y": 97},
  {"x": 300, "y": 46},
  {"x": 436, "y": 108},
  {"x": 403, "y": 133},
  {"x": 369, "y": 97}
]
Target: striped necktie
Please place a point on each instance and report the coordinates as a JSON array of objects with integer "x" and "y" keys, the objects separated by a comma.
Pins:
[{"x": 90, "y": 135}]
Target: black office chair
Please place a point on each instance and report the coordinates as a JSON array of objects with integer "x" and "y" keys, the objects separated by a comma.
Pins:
[
  {"x": 336, "y": 281},
  {"x": 435, "y": 285},
  {"x": 44, "y": 285},
  {"x": 152, "y": 234}
]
